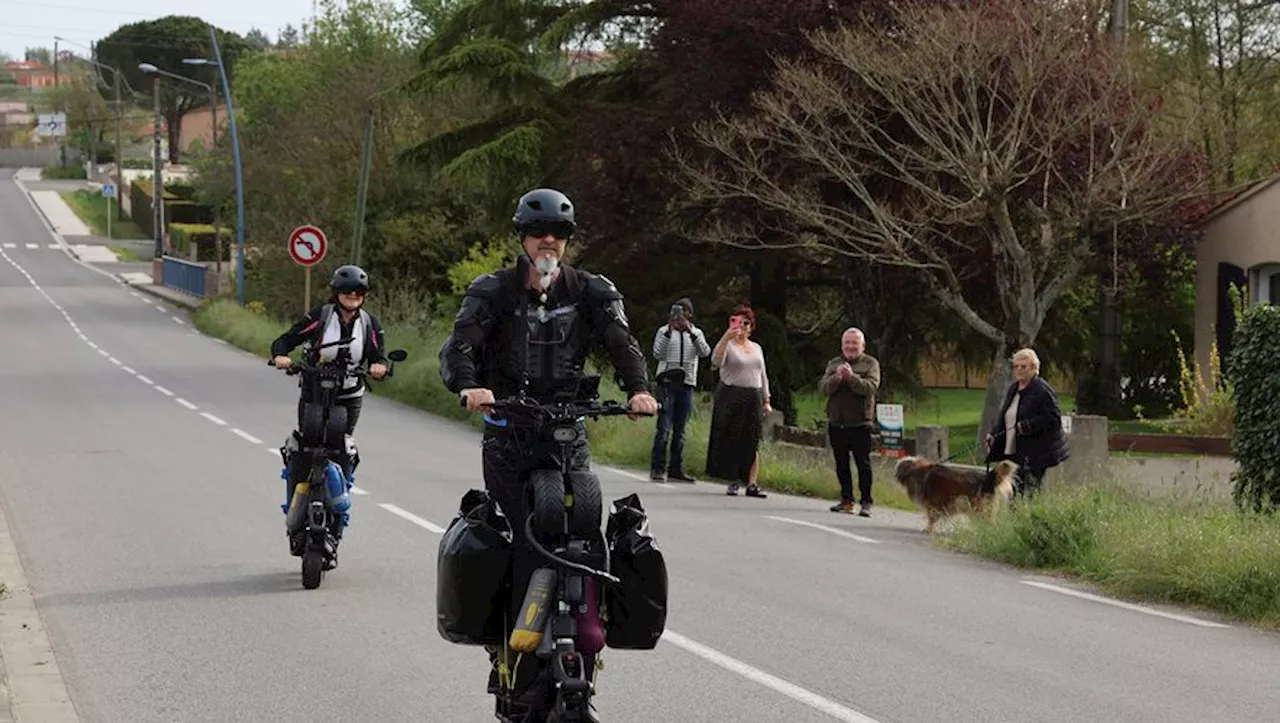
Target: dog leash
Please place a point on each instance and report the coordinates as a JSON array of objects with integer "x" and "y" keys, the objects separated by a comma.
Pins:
[{"x": 972, "y": 446}]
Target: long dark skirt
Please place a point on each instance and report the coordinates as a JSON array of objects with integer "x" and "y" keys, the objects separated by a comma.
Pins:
[{"x": 737, "y": 422}]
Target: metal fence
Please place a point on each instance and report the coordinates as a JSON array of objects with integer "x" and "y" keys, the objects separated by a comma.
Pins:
[{"x": 185, "y": 276}]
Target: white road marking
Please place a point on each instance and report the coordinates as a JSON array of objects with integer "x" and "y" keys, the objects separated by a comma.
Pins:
[
  {"x": 1126, "y": 605},
  {"x": 185, "y": 403},
  {"x": 91, "y": 344},
  {"x": 115, "y": 361},
  {"x": 824, "y": 528},
  {"x": 791, "y": 690},
  {"x": 633, "y": 475},
  {"x": 103, "y": 352},
  {"x": 130, "y": 370},
  {"x": 246, "y": 436},
  {"x": 412, "y": 518},
  {"x": 54, "y": 246},
  {"x": 180, "y": 321},
  {"x": 213, "y": 419},
  {"x": 33, "y": 246},
  {"x": 164, "y": 391},
  {"x": 272, "y": 452},
  {"x": 357, "y": 491},
  {"x": 11, "y": 246},
  {"x": 144, "y": 379}
]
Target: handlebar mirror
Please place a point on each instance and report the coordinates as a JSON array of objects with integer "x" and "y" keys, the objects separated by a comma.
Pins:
[{"x": 398, "y": 355}]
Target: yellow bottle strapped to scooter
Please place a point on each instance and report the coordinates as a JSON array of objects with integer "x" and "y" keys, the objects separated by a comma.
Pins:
[{"x": 527, "y": 633}]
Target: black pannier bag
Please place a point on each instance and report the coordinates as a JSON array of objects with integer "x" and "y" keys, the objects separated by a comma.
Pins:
[
  {"x": 472, "y": 573},
  {"x": 635, "y": 608}
]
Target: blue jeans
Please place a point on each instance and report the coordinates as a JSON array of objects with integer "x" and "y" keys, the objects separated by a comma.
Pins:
[{"x": 677, "y": 405}]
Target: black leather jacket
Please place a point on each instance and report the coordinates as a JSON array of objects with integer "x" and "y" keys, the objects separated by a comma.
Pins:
[{"x": 583, "y": 311}]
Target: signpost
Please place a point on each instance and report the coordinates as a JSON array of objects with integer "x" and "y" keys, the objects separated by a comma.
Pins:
[
  {"x": 108, "y": 192},
  {"x": 51, "y": 125},
  {"x": 889, "y": 419},
  {"x": 307, "y": 246}
]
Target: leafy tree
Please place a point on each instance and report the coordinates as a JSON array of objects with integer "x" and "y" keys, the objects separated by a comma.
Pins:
[
  {"x": 1219, "y": 61},
  {"x": 164, "y": 43},
  {"x": 257, "y": 40},
  {"x": 515, "y": 52},
  {"x": 39, "y": 55},
  {"x": 288, "y": 38},
  {"x": 1031, "y": 134},
  {"x": 303, "y": 115}
]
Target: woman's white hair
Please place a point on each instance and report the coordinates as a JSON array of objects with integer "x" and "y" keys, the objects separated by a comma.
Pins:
[{"x": 1028, "y": 354}]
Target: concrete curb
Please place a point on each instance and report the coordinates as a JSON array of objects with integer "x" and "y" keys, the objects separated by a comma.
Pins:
[
  {"x": 35, "y": 691},
  {"x": 175, "y": 297}
]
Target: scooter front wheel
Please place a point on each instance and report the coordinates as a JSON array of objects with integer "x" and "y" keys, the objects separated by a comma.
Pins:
[{"x": 312, "y": 568}]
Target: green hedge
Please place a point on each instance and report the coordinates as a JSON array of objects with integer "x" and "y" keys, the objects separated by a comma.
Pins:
[
  {"x": 183, "y": 235},
  {"x": 1254, "y": 372}
]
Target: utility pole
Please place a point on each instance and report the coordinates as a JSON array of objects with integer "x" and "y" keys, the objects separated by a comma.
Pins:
[
  {"x": 61, "y": 106},
  {"x": 119, "y": 174},
  {"x": 1120, "y": 20},
  {"x": 1107, "y": 365}
]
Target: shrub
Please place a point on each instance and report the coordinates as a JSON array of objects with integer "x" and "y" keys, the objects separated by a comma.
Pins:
[
  {"x": 1254, "y": 372},
  {"x": 1208, "y": 407},
  {"x": 184, "y": 235},
  {"x": 482, "y": 258}
]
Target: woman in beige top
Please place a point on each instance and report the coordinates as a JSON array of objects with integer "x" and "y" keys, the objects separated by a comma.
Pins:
[{"x": 741, "y": 403}]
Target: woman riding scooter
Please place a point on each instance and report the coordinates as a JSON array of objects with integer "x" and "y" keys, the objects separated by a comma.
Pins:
[{"x": 320, "y": 326}]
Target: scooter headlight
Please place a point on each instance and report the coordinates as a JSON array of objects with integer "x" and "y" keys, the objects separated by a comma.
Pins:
[{"x": 564, "y": 434}]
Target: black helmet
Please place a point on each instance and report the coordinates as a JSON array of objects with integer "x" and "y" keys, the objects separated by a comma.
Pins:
[
  {"x": 349, "y": 278},
  {"x": 543, "y": 210}
]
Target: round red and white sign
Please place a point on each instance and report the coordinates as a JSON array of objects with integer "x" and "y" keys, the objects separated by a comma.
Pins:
[{"x": 307, "y": 245}]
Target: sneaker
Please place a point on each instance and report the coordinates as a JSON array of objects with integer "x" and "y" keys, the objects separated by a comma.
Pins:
[
  {"x": 681, "y": 476},
  {"x": 732, "y": 490},
  {"x": 754, "y": 491},
  {"x": 657, "y": 476},
  {"x": 864, "y": 510},
  {"x": 845, "y": 507}
]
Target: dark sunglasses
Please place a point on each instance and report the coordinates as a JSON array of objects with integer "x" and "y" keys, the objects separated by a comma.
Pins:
[{"x": 540, "y": 229}]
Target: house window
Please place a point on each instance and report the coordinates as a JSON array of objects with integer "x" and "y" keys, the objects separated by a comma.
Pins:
[{"x": 1266, "y": 283}]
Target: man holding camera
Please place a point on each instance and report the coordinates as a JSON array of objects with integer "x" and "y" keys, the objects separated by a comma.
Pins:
[{"x": 676, "y": 346}]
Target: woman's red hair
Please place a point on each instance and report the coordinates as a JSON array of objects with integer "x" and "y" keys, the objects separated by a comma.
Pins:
[{"x": 744, "y": 310}]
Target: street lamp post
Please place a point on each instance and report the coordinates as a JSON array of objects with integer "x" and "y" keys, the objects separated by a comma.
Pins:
[
  {"x": 157, "y": 199},
  {"x": 235, "y": 155}
]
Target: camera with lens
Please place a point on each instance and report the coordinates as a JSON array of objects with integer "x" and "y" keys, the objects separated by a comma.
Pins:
[{"x": 677, "y": 311}]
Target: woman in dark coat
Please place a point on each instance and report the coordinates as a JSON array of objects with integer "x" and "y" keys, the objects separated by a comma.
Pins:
[{"x": 1029, "y": 427}]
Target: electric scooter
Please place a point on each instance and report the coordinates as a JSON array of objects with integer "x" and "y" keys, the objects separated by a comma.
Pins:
[{"x": 318, "y": 508}]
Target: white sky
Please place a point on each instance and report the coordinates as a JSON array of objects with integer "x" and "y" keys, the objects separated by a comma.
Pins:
[{"x": 33, "y": 23}]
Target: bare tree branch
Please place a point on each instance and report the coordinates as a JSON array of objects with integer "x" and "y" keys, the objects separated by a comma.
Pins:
[{"x": 1016, "y": 124}]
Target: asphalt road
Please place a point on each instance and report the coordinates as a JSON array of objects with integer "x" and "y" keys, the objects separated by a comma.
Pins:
[{"x": 139, "y": 476}]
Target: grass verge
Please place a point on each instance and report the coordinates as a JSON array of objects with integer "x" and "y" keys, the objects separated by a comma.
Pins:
[
  {"x": 1186, "y": 551},
  {"x": 1194, "y": 552},
  {"x": 615, "y": 441},
  {"x": 92, "y": 209},
  {"x": 125, "y": 255}
]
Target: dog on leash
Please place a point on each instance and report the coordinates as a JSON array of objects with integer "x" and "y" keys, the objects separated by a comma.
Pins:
[{"x": 939, "y": 489}]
